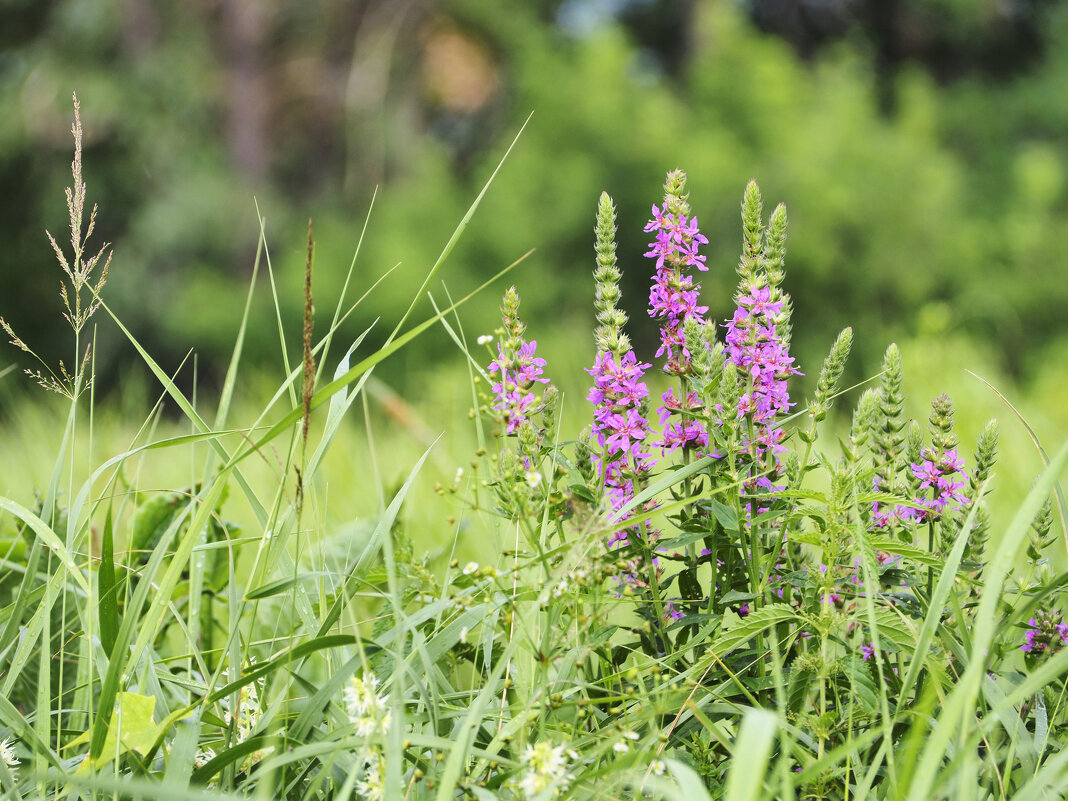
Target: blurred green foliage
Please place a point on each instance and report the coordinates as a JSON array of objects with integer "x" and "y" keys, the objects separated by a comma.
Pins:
[{"x": 926, "y": 194}]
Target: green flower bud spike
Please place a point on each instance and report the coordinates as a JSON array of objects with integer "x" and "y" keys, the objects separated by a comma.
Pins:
[
  {"x": 831, "y": 374},
  {"x": 609, "y": 333}
]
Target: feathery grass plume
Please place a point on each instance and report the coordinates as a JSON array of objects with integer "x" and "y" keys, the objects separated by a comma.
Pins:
[
  {"x": 82, "y": 299},
  {"x": 308, "y": 362}
]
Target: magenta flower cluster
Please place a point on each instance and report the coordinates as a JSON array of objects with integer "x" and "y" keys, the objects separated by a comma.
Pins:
[
  {"x": 756, "y": 349},
  {"x": 936, "y": 473},
  {"x": 688, "y": 431},
  {"x": 673, "y": 296},
  {"x": 516, "y": 373},
  {"x": 1046, "y": 632},
  {"x": 619, "y": 427}
]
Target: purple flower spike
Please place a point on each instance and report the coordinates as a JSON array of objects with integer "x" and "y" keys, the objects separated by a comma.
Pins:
[
  {"x": 936, "y": 472},
  {"x": 756, "y": 349},
  {"x": 619, "y": 427},
  {"x": 1046, "y": 633},
  {"x": 673, "y": 297},
  {"x": 516, "y": 375}
]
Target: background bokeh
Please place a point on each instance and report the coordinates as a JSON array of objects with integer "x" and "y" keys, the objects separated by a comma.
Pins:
[{"x": 920, "y": 145}]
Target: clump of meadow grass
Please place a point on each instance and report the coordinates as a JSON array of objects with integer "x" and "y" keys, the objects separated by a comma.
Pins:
[{"x": 698, "y": 598}]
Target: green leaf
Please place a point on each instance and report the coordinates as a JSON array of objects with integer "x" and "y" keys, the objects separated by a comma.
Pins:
[
  {"x": 583, "y": 492},
  {"x": 752, "y": 750},
  {"x": 735, "y": 597},
  {"x": 153, "y": 518},
  {"x": 130, "y": 729},
  {"x": 748, "y": 627},
  {"x": 108, "y": 603},
  {"x": 726, "y": 516},
  {"x": 689, "y": 586},
  {"x": 861, "y": 684}
]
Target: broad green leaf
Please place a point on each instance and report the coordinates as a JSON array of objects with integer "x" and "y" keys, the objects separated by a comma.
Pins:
[
  {"x": 108, "y": 602},
  {"x": 749, "y": 760},
  {"x": 130, "y": 729}
]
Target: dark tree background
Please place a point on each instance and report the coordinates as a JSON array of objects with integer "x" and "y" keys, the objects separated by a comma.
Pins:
[{"x": 919, "y": 144}]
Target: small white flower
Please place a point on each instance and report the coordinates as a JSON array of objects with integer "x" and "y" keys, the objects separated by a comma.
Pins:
[
  {"x": 459, "y": 475},
  {"x": 533, "y": 478},
  {"x": 463, "y": 635},
  {"x": 485, "y": 339},
  {"x": 370, "y": 786},
  {"x": 367, "y": 710},
  {"x": 560, "y": 588},
  {"x": 658, "y": 767},
  {"x": 631, "y": 735},
  {"x": 621, "y": 747},
  {"x": 545, "y": 767},
  {"x": 7, "y": 754},
  {"x": 248, "y": 710},
  {"x": 470, "y": 567}
]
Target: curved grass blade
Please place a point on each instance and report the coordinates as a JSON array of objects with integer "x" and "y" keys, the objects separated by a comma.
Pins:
[
  {"x": 1038, "y": 446},
  {"x": 48, "y": 538}
]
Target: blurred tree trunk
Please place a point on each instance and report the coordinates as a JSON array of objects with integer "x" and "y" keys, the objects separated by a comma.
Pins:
[
  {"x": 385, "y": 27},
  {"x": 140, "y": 29},
  {"x": 245, "y": 28}
]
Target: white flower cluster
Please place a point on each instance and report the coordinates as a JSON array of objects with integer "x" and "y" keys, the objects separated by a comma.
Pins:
[
  {"x": 248, "y": 711},
  {"x": 370, "y": 787},
  {"x": 245, "y": 723},
  {"x": 7, "y": 754},
  {"x": 545, "y": 768},
  {"x": 368, "y": 710},
  {"x": 622, "y": 746}
]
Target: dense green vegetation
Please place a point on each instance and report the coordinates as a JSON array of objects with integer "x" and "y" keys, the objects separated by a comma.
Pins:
[{"x": 706, "y": 592}]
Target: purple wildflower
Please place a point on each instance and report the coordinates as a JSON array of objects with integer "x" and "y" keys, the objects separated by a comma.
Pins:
[
  {"x": 936, "y": 472},
  {"x": 517, "y": 370},
  {"x": 1046, "y": 633},
  {"x": 619, "y": 426},
  {"x": 867, "y": 651},
  {"x": 673, "y": 297},
  {"x": 756, "y": 349},
  {"x": 688, "y": 431}
]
